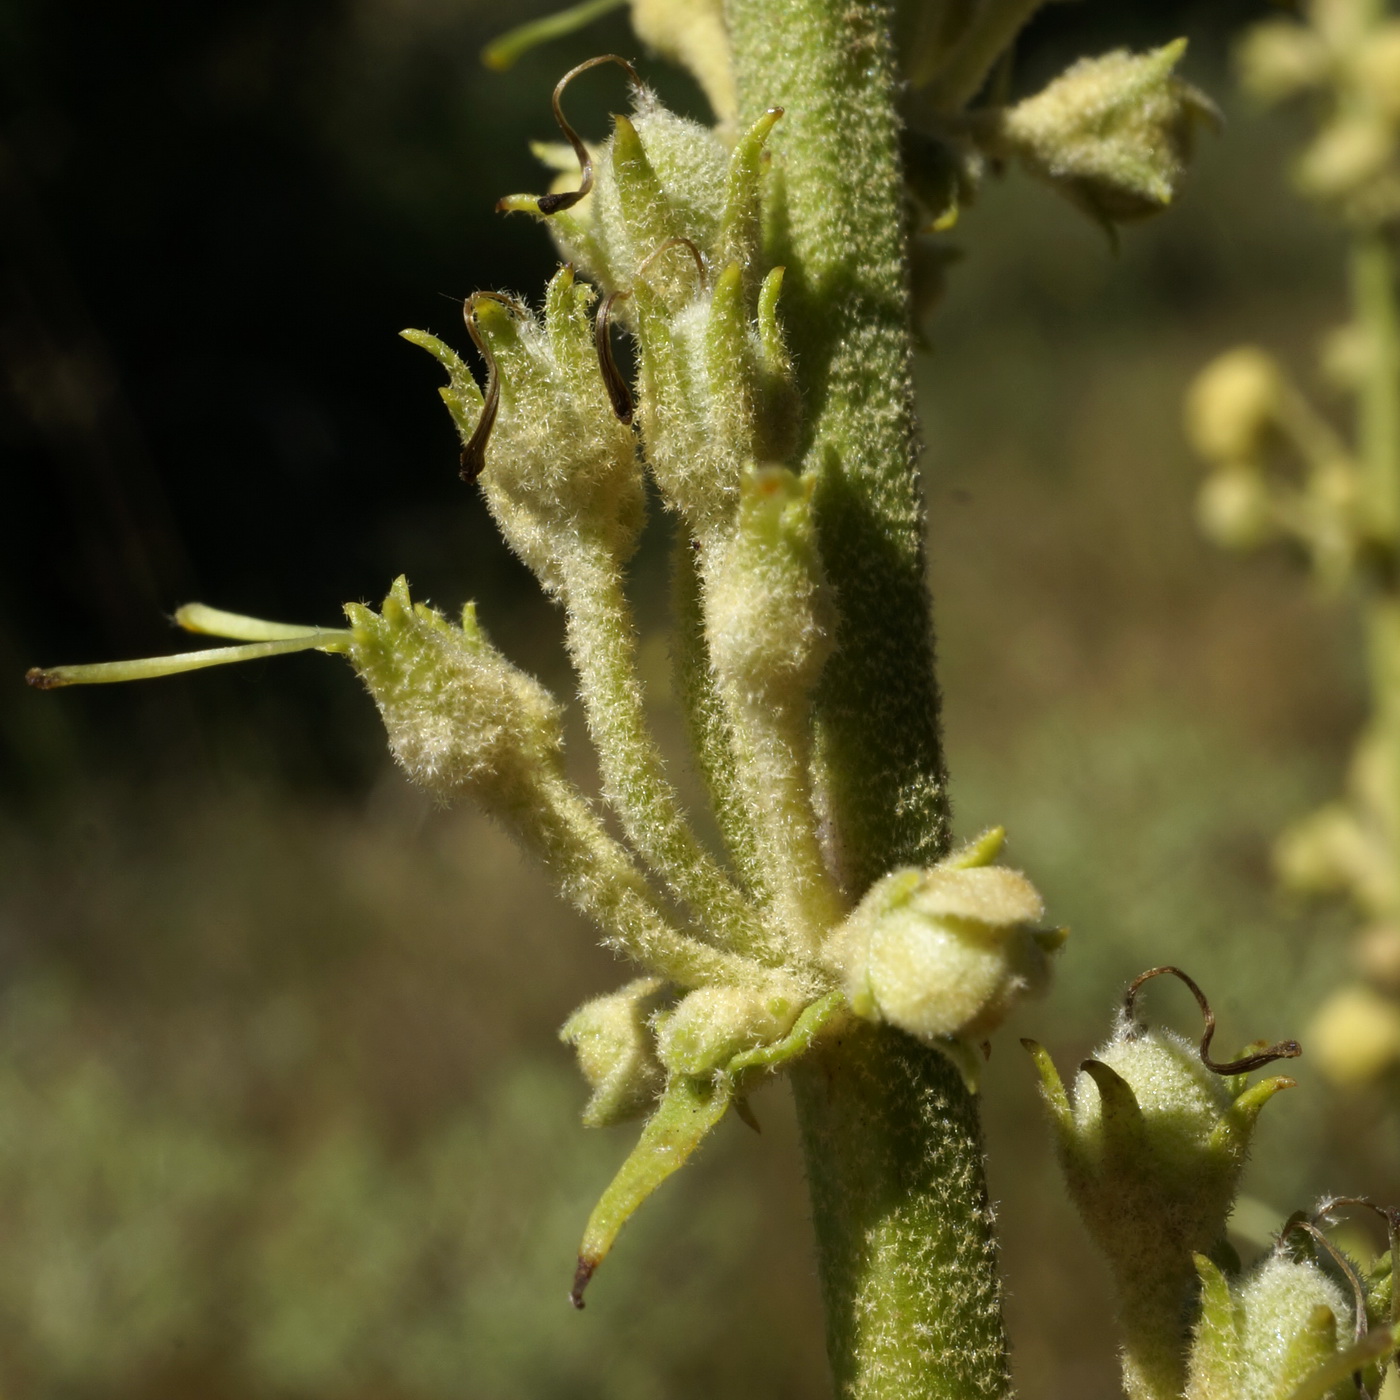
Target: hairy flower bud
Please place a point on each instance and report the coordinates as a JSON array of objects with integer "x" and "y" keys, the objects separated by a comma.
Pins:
[
  {"x": 459, "y": 716},
  {"x": 1234, "y": 507},
  {"x": 1356, "y": 1035},
  {"x": 1152, "y": 1140},
  {"x": 945, "y": 952},
  {"x": 1232, "y": 404},
  {"x": 710, "y": 1026},
  {"x": 1266, "y": 1334},
  {"x": 1113, "y": 133},
  {"x": 1279, "y": 59},
  {"x": 612, "y": 1039},
  {"x": 769, "y": 617}
]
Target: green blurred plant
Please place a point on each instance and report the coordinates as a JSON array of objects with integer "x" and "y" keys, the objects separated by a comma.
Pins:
[
  {"x": 763, "y": 269},
  {"x": 1281, "y": 471}
]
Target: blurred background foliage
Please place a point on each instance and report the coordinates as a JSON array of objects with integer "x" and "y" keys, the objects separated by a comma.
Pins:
[{"x": 282, "y": 1113}]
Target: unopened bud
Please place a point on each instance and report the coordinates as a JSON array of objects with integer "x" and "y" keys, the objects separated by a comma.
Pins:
[
  {"x": 1232, "y": 404},
  {"x": 1114, "y": 133},
  {"x": 1279, "y": 59},
  {"x": 1377, "y": 67},
  {"x": 945, "y": 952},
  {"x": 1356, "y": 1035},
  {"x": 1234, "y": 509},
  {"x": 710, "y": 1026},
  {"x": 459, "y": 716},
  {"x": 612, "y": 1039},
  {"x": 769, "y": 617},
  {"x": 1346, "y": 155}
]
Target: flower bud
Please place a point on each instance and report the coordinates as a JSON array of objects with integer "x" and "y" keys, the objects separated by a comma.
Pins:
[
  {"x": 1345, "y": 157},
  {"x": 1326, "y": 852},
  {"x": 1265, "y": 1334},
  {"x": 1152, "y": 1141},
  {"x": 693, "y": 34},
  {"x": 1279, "y": 59},
  {"x": 945, "y": 952},
  {"x": 769, "y": 616},
  {"x": 1356, "y": 1036},
  {"x": 710, "y": 1026},
  {"x": 459, "y": 716},
  {"x": 1234, "y": 509},
  {"x": 560, "y": 468},
  {"x": 1377, "y": 954},
  {"x": 1232, "y": 404},
  {"x": 1377, "y": 68},
  {"x": 1113, "y": 133},
  {"x": 612, "y": 1039}
]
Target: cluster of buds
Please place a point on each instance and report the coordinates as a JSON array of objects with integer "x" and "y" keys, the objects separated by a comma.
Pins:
[
  {"x": 745, "y": 962},
  {"x": 1279, "y": 470},
  {"x": 1345, "y": 56},
  {"x": 1152, "y": 1137}
]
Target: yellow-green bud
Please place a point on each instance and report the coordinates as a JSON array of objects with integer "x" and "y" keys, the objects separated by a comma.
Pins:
[
  {"x": 693, "y": 34},
  {"x": 1234, "y": 507},
  {"x": 1113, "y": 133},
  {"x": 1347, "y": 155},
  {"x": 945, "y": 952},
  {"x": 1285, "y": 1336},
  {"x": 612, "y": 1039},
  {"x": 1152, "y": 1141},
  {"x": 1232, "y": 404},
  {"x": 769, "y": 616},
  {"x": 1356, "y": 1035},
  {"x": 1279, "y": 59},
  {"x": 1324, "y": 853},
  {"x": 710, "y": 1026},
  {"x": 561, "y": 470},
  {"x": 1377, "y": 67},
  {"x": 1378, "y": 955},
  {"x": 459, "y": 716}
]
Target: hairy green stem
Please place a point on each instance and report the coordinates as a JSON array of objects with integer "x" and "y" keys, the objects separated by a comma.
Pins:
[
  {"x": 908, "y": 1259},
  {"x": 908, "y": 1264},
  {"x": 602, "y": 644},
  {"x": 841, "y": 236}
]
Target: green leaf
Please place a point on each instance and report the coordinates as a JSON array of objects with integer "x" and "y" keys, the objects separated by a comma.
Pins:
[{"x": 686, "y": 1112}]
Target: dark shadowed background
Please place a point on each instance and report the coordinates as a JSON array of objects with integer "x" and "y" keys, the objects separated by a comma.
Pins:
[{"x": 282, "y": 1112}]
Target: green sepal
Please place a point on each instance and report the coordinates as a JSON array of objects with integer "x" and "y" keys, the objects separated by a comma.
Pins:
[
  {"x": 1340, "y": 1367},
  {"x": 741, "y": 231},
  {"x": 981, "y": 850},
  {"x": 1217, "y": 1350},
  {"x": 1120, "y": 1114},
  {"x": 686, "y": 1112},
  {"x": 460, "y": 393},
  {"x": 1052, "y": 1087},
  {"x": 1231, "y": 1134},
  {"x": 645, "y": 211},
  {"x": 814, "y": 1019},
  {"x": 569, "y": 327},
  {"x": 780, "y": 405},
  {"x": 729, "y": 371}
]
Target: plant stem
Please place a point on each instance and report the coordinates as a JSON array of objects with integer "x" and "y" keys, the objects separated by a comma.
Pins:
[
  {"x": 908, "y": 1263},
  {"x": 841, "y": 235},
  {"x": 899, "y": 1199}
]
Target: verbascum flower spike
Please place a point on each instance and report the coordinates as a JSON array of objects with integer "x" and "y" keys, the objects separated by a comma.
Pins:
[
  {"x": 946, "y": 953},
  {"x": 1114, "y": 134},
  {"x": 1152, "y": 1142}
]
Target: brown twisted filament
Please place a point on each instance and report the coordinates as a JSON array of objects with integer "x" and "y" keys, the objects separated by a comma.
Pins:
[
  {"x": 566, "y": 199},
  {"x": 676, "y": 242},
  {"x": 619, "y": 395},
  {"x": 474, "y": 453},
  {"x": 1284, "y": 1050}
]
